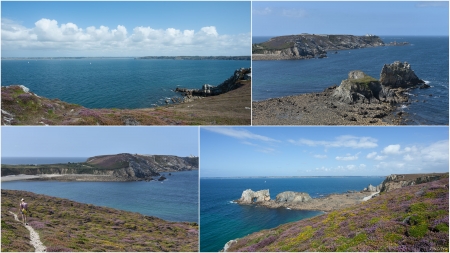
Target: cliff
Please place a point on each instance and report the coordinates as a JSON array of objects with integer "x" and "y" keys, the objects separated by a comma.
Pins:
[
  {"x": 68, "y": 226},
  {"x": 120, "y": 167},
  {"x": 408, "y": 219},
  {"x": 307, "y": 46}
]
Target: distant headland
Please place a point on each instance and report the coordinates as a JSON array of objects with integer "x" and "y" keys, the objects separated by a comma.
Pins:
[
  {"x": 119, "y": 167},
  {"x": 309, "y": 46}
]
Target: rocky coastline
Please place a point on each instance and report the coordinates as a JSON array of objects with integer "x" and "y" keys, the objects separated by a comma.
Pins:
[
  {"x": 302, "y": 201},
  {"x": 358, "y": 100},
  {"x": 120, "y": 167}
]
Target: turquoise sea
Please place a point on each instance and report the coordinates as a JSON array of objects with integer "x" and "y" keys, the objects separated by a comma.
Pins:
[
  {"x": 223, "y": 220},
  {"x": 116, "y": 82},
  {"x": 175, "y": 199},
  {"x": 428, "y": 56}
]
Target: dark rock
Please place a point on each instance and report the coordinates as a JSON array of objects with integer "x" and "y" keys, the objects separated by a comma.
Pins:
[
  {"x": 424, "y": 86},
  {"x": 399, "y": 74}
]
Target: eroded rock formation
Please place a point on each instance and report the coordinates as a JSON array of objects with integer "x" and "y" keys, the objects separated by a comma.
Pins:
[
  {"x": 250, "y": 197},
  {"x": 398, "y": 181},
  {"x": 362, "y": 88},
  {"x": 293, "y": 197}
]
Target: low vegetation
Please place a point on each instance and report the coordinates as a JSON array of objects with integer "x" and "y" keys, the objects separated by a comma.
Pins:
[
  {"x": 413, "y": 218},
  {"x": 65, "y": 225}
]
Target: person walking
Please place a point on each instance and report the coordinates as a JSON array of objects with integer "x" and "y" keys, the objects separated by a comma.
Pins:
[{"x": 24, "y": 210}]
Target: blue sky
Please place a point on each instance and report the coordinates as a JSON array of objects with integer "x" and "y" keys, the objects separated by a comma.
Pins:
[
  {"x": 356, "y": 18},
  {"x": 322, "y": 151},
  {"x": 92, "y": 141},
  {"x": 125, "y": 28}
]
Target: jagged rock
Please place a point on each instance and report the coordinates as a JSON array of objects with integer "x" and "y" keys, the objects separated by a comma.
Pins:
[
  {"x": 424, "y": 86},
  {"x": 293, "y": 197},
  {"x": 249, "y": 196},
  {"x": 372, "y": 188},
  {"x": 358, "y": 88},
  {"x": 399, "y": 74}
]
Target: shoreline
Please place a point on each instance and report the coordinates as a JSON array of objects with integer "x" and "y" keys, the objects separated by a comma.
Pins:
[{"x": 320, "y": 108}]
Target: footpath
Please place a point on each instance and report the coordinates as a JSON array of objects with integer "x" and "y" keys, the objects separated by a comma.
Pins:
[{"x": 34, "y": 237}]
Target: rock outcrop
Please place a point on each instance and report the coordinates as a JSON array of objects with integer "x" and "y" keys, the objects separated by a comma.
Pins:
[
  {"x": 307, "y": 46},
  {"x": 395, "y": 181},
  {"x": 362, "y": 88},
  {"x": 250, "y": 197},
  {"x": 293, "y": 197},
  {"x": 399, "y": 74},
  {"x": 372, "y": 188},
  {"x": 232, "y": 83}
]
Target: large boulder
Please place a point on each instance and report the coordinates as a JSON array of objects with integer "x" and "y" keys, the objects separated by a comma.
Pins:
[
  {"x": 358, "y": 88},
  {"x": 249, "y": 197},
  {"x": 293, "y": 197},
  {"x": 399, "y": 74}
]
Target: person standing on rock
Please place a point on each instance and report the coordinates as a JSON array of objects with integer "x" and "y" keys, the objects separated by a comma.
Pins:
[{"x": 24, "y": 210}]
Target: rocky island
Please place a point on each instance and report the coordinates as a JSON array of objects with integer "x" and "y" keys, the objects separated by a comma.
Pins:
[
  {"x": 20, "y": 106},
  {"x": 358, "y": 100},
  {"x": 308, "y": 46},
  {"x": 120, "y": 167},
  {"x": 410, "y": 214}
]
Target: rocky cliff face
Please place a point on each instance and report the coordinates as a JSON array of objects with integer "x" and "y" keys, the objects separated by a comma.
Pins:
[
  {"x": 124, "y": 166},
  {"x": 306, "y": 46},
  {"x": 293, "y": 197},
  {"x": 398, "y": 181},
  {"x": 250, "y": 197}
]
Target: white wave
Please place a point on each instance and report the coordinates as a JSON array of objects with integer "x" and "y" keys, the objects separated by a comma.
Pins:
[
  {"x": 288, "y": 208},
  {"x": 426, "y": 82},
  {"x": 404, "y": 106},
  {"x": 232, "y": 202}
]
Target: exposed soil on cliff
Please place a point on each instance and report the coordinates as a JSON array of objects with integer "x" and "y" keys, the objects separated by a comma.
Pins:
[{"x": 322, "y": 109}]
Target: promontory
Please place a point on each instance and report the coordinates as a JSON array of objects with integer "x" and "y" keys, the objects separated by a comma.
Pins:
[{"x": 119, "y": 167}]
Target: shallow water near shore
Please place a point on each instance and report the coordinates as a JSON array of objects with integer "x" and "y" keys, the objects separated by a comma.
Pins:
[
  {"x": 175, "y": 199},
  {"x": 428, "y": 57},
  {"x": 123, "y": 83},
  {"x": 223, "y": 220}
]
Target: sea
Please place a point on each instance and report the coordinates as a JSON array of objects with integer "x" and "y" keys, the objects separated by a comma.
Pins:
[
  {"x": 223, "y": 220},
  {"x": 123, "y": 83},
  {"x": 428, "y": 56},
  {"x": 174, "y": 199}
]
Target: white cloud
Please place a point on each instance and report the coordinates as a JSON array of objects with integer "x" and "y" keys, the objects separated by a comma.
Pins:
[
  {"x": 47, "y": 34},
  {"x": 348, "y": 157},
  {"x": 264, "y": 11},
  {"x": 294, "y": 13},
  {"x": 320, "y": 156},
  {"x": 362, "y": 166},
  {"x": 436, "y": 152},
  {"x": 371, "y": 155},
  {"x": 439, "y": 4},
  {"x": 347, "y": 141},
  {"x": 392, "y": 150},
  {"x": 239, "y": 133},
  {"x": 380, "y": 157}
]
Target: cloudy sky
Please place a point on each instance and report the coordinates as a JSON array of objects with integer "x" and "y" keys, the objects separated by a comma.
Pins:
[
  {"x": 322, "y": 151},
  {"x": 39, "y": 29},
  {"x": 356, "y": 18},
  {"x": 92, "y": 141}
]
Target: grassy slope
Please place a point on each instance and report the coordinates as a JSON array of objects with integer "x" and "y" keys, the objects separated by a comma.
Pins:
[
  {"x": 224, "y": 109},
  {"x": 65, "y": 225},
  {"x": 376, "y": 225}
]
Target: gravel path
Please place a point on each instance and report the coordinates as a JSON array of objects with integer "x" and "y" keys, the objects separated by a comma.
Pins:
[{"x": 34, "y": 237}]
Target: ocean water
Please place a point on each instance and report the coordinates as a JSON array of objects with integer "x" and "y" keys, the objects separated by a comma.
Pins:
[
  {"x": 222, "y": 220},
  {"x": 115, "y": 83},
  {"x": 175, "y": 199},
  {"x": 428, "y": 56}
]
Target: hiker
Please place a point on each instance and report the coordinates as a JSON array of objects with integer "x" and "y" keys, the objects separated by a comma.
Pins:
[{"x": 24, "y": 210}]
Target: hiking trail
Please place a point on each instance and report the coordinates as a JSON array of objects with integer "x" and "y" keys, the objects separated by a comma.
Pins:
[{"x": 34, "y": 237}]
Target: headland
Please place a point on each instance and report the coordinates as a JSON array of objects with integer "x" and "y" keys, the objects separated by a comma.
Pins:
[
  {"x": 358, "y": 100},
  {"x": 410, "y": 213},
  {"x": 119, "y": 167},
  {"x": 230, "y": 106},
  {"x": 66, "y": 226}
]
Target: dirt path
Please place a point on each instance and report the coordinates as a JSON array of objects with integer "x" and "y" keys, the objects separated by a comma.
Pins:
[{"x": 34, "y": 237}]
